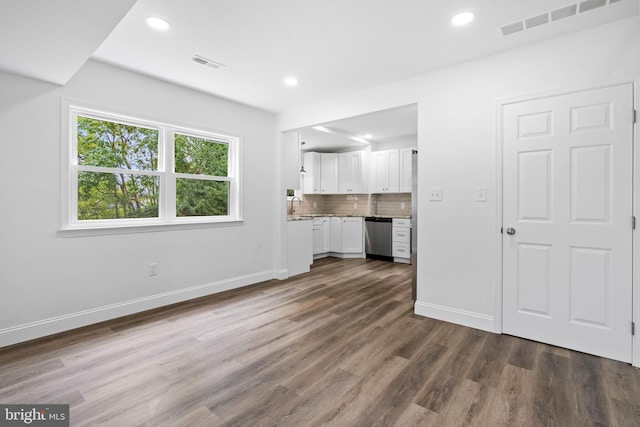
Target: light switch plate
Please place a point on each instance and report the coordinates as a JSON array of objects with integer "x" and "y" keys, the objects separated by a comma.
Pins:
[
  {"x": 435, "y": 195},
  {"x": 481, "y": 194}
]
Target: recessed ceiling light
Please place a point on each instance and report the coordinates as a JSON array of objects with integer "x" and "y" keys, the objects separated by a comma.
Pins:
[
  {"x": 158, "y": 23},
  {"x": 359, "y": 139},
  {"x": 462, "y": 18},
  {"x": 323, "y": 129},
  {"x": 291, "y": 81},
  {"x": 367, "y": 136}
]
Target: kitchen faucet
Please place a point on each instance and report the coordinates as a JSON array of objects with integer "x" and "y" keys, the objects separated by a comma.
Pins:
[{"x": 299, "y": 203}]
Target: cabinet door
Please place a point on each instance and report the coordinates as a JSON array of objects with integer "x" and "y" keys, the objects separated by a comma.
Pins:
[
  {"x": 326, "y": 235},
  {"x": 352, "y": 233},
  {"x": 329, "y": 173},
  {"x": 312, "y": 179},
  {"x": 385, "y": 171},
  {"x": 344, "y": 173},
  {"x": 350, "y": 172},
  {"x": 380, "y": 172},
  {"x": 405, "y": 170},
  {"x": 317, "y": 239},
  {"x": 394, "y": 172},
  {"x": 336, "y": 234}
]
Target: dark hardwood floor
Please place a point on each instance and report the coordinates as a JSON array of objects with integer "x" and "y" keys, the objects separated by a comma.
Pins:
[{"x": 338, "y": 346}]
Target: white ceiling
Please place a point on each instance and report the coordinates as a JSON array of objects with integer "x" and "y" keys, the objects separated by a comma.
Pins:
[
  {"x": 397, "y": 125},
  {"x": 333, "y": 47}
]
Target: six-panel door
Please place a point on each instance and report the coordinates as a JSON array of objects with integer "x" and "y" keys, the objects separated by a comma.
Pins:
[{"x": 567, "y": 187}]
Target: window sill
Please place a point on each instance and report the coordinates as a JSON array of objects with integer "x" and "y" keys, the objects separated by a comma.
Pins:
[{"x": 107, "y": 230}]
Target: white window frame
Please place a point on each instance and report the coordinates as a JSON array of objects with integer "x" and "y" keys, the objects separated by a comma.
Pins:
[{"x": 167, "y": 176}]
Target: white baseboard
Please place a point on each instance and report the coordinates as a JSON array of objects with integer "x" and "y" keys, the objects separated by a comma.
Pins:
[
  {"x": 281, "y": 274},
  {"x": 338, "y": 255},
  {"x": 41, "y": 328},
  {"x": 452, "y": 315}
]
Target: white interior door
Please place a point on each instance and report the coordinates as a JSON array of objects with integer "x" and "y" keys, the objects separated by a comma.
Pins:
[{"x": 567, "y": 188}]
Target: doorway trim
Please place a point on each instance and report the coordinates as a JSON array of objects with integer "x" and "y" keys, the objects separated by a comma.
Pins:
[{"x": 499, "y": 206}]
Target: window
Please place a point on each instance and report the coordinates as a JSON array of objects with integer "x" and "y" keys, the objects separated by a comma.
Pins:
[{"x": 125, "y": 172}]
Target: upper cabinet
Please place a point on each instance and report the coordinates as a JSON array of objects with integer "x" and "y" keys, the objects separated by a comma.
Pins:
[
  {"x": 312, "y": 179},
  {"x": 389, "y": 171},
  {"x": 329, "y": 173},
  {"x": 351, "y": 168},
  {"x": 385, "y": 171}
]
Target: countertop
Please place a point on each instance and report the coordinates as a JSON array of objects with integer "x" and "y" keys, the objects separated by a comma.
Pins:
[{"x": 308, "y": 217}]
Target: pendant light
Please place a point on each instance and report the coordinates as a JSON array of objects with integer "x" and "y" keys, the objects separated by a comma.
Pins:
[{"x": 302, "y": 171}]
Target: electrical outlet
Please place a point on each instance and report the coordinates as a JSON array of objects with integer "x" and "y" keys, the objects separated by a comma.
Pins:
[
  {"x": 355, "y": 205},
  {"x": 315, "y": 205},
  {"x": 402, "y": 205},
  {"x": 153, "y": 269},
  {"x": 435, "y": 194}
]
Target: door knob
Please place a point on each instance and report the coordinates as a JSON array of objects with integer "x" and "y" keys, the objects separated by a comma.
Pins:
[{"x": 511, "y": 231}]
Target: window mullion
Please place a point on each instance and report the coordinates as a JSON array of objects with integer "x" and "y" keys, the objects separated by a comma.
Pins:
[{"x": 169, "y": 205}]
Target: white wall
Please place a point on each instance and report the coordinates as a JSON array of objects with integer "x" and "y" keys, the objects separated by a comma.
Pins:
[
  {"x": 50, "y": 283},
  {"x": 459, "y": 251}
]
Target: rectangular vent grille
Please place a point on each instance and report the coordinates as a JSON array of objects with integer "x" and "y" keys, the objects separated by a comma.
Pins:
[
  {"x": 207, "y": 62},
  {"x": 588, "y": 5},
  {"x": 564, "y": 12},
  {"x": 554, "y": 15},
  {"x": 536, "y": 21}
]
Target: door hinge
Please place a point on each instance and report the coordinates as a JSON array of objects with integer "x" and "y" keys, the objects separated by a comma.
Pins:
[
  {"x": 633, "y": 328},
  {"x": 501, "y": 230},
  {"x": 633, "y": 222},
  {"x": 635, "y": 115}
]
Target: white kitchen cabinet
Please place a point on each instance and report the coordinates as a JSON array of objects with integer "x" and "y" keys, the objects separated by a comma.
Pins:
[
  {"x": 329, "y": 173},
  {"x": 321, "y": 235},
  {"x": 405, "y": 183},
  {"x": 350, "y": 172},
  {"x": 385, "y": 171},
  {"x": 311, "y": 181},
  {"x": 317, "y": 230},
  {"x": 326, "y": 234},
  {"x": 401, "y": 240},
  {"x": 336, "y": 234},
  {"x": 352, "y": 235}
]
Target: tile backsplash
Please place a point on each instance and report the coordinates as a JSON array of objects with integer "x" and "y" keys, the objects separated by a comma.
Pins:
[
  {"x": 391, "y": 204},
  {"x": 365, "y": 205}
]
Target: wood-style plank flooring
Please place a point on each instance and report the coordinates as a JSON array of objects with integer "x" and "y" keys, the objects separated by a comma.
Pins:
[{"x": 338, "y": 346}]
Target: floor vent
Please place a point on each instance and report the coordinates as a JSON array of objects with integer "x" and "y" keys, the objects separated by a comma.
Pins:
[{"x": 554, "y": 15}]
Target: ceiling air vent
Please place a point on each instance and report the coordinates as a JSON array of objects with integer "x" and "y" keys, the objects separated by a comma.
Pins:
[
  {"x": 554, "y": 15},
  {"x": 512, "y": 28},
  {"x": 536, "y": 20},
  {"x": 588, "y": 5},
  {"x": 564, "y": 12},
  {"x": 209, "y": 63}
]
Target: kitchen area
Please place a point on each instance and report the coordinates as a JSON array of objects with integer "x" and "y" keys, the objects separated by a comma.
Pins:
[{"x": 350, "y": 189}]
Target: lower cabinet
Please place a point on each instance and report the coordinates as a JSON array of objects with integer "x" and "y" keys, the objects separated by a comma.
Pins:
[
  {"x": 317, "y": 232},
  {"x": 352, "y": 235},
  {"x": 401, "y": 240},
  {"x": 338, "y": 236}
]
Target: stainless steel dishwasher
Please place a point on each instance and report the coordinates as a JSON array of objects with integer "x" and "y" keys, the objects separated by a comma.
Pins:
[{"x": 378, "y": 233}]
